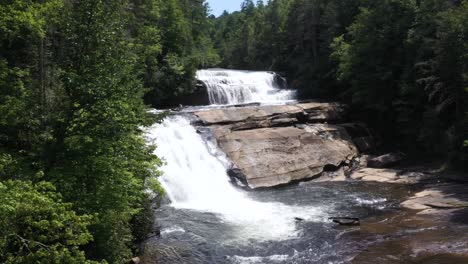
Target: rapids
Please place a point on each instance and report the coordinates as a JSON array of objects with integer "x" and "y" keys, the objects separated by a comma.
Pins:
[
  {"x": 206, "y": 219},
  {"x": 228, "y": 87},
  {"x": 195, "y": 178}
]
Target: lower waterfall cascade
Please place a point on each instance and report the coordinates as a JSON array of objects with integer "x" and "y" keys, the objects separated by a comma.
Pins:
[
  {"x": 195, "y": 178},
  {"x": 209, "y": 219}
]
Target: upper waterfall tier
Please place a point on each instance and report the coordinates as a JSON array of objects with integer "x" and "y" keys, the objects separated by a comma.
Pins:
[{"x": 227, "y": 87}]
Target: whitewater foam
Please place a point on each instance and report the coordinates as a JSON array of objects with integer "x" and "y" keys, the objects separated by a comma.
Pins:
[
  {"x": 227, "y": 87},
  {"x": 195, "y": 178}
]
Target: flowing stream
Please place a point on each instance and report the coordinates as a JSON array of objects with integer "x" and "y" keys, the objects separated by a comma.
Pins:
[
  {"x": 195, "y": 178},
  {"x": 207, "y": 219}
]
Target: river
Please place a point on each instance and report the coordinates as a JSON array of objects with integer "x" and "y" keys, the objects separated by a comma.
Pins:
[{"x": 205, "y": 218}]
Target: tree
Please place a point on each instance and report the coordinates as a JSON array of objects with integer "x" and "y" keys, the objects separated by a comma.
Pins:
[
  {"x": 373, "y": 59},
  {"x": 102, "y": 162},
  {"x": 37, "y": 227}
]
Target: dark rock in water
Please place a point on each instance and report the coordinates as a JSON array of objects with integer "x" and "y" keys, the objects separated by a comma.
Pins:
[
  {"x": 386, "y": 160},
  {"x": 346, "y": 221},
  {"x": 245, "y": 105},
  {"x": 203, "y": 130},
  {"x": 237, "y": 177},
  {"x": 281, "y": 82},
  {"x": 198, "y": 97},
  {"x": 298, "y": 219}
]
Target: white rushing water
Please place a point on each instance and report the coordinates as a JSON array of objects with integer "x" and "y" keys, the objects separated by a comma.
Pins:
[
  {"x": 227, "y": 87},
  {"x": 194, "y": 177}
]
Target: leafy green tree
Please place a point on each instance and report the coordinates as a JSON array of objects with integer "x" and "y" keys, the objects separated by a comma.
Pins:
[
  {"x": 37, "y": 227},
  {"x": 373, "y": 59},
  {"x": 178, "y": 31},
  {"x": 102, "y": 160},
  {"x": 447, "y": 80}
]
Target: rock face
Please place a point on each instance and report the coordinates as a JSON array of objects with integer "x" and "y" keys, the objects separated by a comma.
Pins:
[
  {"x": 389, "y": 176},
  {"x": 271, "y": 115},
  {"x": 448, "y": 197},
  {"x": 385, "y": 161},
  {"x": 275, "y": 145},
  {"x": 273, "y": 156}
]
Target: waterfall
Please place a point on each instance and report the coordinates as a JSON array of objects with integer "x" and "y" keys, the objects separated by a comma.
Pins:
[
  {"x": 195, "y": 178},
  {"x": 227, "y": 87}
]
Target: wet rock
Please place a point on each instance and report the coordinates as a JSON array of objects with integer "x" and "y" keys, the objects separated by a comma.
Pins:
[
  {"x": 440, "y": 199},
  {"x": 245, "y": 105},
  {"x": 388, "y": 175},
  {"x": 275, "y": 156},
  {"x": 237, "y": 177},
  {"x": 312, "y": 111},
  {"x": 363, "y": 160},
  {"x": 280, "y": 81},
  {"x": 198, "y": 97},
  {"x": 272, "y": 145},
  {"x": 332, "y": 176},
  {"x": 346, "y": 221},
  {"x": 385, "y": 161}
]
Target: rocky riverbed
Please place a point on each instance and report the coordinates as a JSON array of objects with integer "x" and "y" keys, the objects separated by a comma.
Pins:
[
  {"x": 316, "y": 165},
  {"x": 294, "y": 182},
  {"x": 278, "y": 144}
]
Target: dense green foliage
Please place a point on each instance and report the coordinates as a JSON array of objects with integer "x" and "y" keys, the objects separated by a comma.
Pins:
[
  {"x": 172, "y": 41},
  {"x": 73, "y": 164},
  {"x": 75, "y": 76},
  {"x": 401, "y": 64},
  {"x": 37, "y": 227}
]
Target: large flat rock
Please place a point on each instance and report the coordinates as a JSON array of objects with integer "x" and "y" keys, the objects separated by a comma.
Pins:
[
  {"x": 311, "y": 111},
  {"x": 389, "y": 176},
  {"x": 271, "y": 145},
  {"x": 274, "y": 156},
  {"x": 446, "y": 197}
]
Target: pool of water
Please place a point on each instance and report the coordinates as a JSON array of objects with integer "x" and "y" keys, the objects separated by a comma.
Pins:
[{"x": 194, "y": 236}]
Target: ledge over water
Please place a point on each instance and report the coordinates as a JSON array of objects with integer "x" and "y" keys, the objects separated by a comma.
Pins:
[{"x": 272, "y": 145}]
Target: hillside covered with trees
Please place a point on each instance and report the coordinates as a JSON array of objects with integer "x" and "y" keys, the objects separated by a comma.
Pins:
[
  {"x": 73, "y": 164},
  {"x": 77, "y": 77},
  {"x": 401, "y": 64}
]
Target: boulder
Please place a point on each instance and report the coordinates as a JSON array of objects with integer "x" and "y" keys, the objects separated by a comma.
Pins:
[
  {"x": 280, "y": 81},
  {"x": 346, "y": 221},
  {"x": 438, "y": 198},
  {"x": 269, "y": 114},
  {"x": 389, "y": 176},
  {"x": 271, "y": 145},
  {"x": 332, "y": 176},
  {"x": 385, "y": 161},
  {"x": 274, "y": 156}
]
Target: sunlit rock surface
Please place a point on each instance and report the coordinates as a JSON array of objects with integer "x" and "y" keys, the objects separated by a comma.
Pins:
[{"x": 278, "y": 144}]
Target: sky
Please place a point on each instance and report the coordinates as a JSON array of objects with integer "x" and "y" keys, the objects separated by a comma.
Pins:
[{"x": 218, "y": 6}]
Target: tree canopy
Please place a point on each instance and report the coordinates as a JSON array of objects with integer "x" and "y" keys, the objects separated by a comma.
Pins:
[
  {"x": 400, "y": 64},
  {"x": 77, "y": 76}
]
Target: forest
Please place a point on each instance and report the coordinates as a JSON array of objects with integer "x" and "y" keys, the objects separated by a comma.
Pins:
[{"x": 78, "y": 76}]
